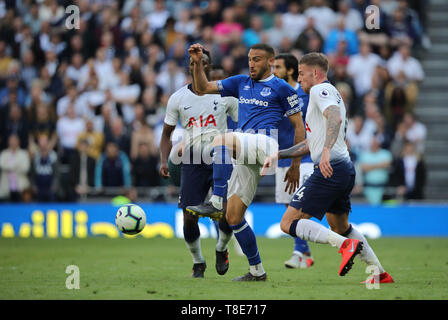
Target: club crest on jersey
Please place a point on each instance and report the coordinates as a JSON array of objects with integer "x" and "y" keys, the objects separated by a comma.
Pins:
[
  {"x": 266, "y": 91},
  {"x": 324, "y": 93}
]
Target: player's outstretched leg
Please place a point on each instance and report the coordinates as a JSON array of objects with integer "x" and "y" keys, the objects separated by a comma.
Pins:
[
  {"x": 193, "y": 242},
  {"x": 368, "y": 256},
  {"x": 301, "y": 256},
  {"x": 222, "y": 254},
  {"x": 246, "y": 239},
  {"x": 222, "y": 170},
  {"x": 297, "y": 224}
]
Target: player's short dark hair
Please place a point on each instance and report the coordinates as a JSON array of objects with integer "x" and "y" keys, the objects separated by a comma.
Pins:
[
  {"x": 315, "y": 59},
  {"x": 291, "y": 62},
  {"x": 265, "y": 47},
  {"x": 207, "y": 53}
]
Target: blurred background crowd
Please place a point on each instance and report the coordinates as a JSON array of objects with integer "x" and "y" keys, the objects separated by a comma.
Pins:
[{"x": 82, "y": 109}]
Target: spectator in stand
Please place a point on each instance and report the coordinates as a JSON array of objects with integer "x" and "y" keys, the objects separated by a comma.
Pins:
[
  {"x": 126, "y": 94},
  {"x": 44, "y": 171},
  {"x": 415, "y": 132},
  {"x": 172, "y": 78},
  {"x": 42, "y": 123},
  {"x": 82, "y": 169},
  {"x": 145, "y": 166},
  {"x": 68, "y": 128},
  {"x": 75, "y": 68},
  {"x": 401, "y": 30},
  {"x": 341, "y": 80},
  {"x": 69, "y": 99},
  {"x": 375, "y": 164},
  {"x": 117, "y": 133},
  {"x": 410, "y": 173},
  {"x": 375, "y": 37},
  {"x": 252, "y": 35},
  {"x": 157, "y": 17},
  {"x": 144, "y": 134},
  {"x": 13, "y": 122},
  {"x": 112, "y": 168},
  {"x": 358, "y": 136},
  {"x": 310, "y": 32},
  {"x": 352, "y": 18},
  {"x": 228, "y": 31},
  {"x": 273, "y": 36},
  {"x": 399, "y": 140},
  {"x": 323, "y": 16},
  {"x": 28, "y": 71},
  {"x": 213, "y": 14},
  {"x": 336, "y": 35},
  {"x": 94, "y": 140},
  {"x": 14, "y": 165},
  {"x": 293, "y": 21},
  {"x": 362, "y": 67},
  {"x": 12, "y": 87},
  {"x": 5, "y": 60},
  {"x": 406, "y": 73}
]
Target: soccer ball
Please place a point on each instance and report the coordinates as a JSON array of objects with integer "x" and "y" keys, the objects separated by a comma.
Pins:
[{"x": 130, "y": 219}]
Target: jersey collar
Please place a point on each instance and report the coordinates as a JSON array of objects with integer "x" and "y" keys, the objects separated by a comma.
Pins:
[
  {"x": 267, "y": 79},
  {"x": 297, "y": 86}
]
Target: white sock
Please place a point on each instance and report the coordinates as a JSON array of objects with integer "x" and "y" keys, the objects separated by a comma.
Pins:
[
  {"x": 257, "y": 270},
  {"x": 312, "y": 231},
  {"x": 367, "y": 255},
  {"x": 216, "y": 201},
  {"x": 195, "y": 250},
  {"x": 223, "y": 240},
  {"x": 297, "y": 253}
]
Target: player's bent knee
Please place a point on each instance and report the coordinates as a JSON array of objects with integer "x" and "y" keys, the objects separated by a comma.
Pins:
[
  {"x": 285, "y": 225},
  {"x": 234, "y": 220}
]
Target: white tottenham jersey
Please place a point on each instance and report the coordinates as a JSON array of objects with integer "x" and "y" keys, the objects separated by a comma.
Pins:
[
  {"x": 202, "y": 117},
  {"x": 322, "y": 96}
]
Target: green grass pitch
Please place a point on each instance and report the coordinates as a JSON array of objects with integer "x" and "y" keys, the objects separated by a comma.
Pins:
[{"x": 160, "y": 269}]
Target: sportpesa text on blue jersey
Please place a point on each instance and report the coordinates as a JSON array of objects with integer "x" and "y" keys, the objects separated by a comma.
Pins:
[
  {"x": 286, "y": 130},
  {"x": 261, "y": 104}
]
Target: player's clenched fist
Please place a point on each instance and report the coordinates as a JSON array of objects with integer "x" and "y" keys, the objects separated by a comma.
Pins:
[{"x": 195, "y": 52}]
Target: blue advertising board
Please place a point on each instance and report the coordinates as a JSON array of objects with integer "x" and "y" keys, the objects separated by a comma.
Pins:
[{"x": 69, "y": 220}]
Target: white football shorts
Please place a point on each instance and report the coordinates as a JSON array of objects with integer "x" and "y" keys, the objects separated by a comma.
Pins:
[
  {"x": 282, "y": 196},
  {"x": 255, "y": 148}
]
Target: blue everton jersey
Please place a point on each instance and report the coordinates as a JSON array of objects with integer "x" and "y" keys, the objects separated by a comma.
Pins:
[
  {"x": 286, "y": 130},
  {"x": 261, "y": 104}
]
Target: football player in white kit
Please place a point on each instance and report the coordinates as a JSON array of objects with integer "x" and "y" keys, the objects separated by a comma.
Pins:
[
  {"x": 203, "y": 117},
  {"x": 288, "y": 171},
  {"x": 327, "y": 191}
]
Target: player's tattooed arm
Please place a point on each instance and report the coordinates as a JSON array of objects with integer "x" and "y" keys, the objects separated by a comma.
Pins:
[
  {"x": 298, "y": 150},
  {"x": 334, "y": 120}
]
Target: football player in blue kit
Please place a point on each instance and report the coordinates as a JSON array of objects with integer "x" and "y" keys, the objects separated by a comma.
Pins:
[{"x": 263, "y": 100}]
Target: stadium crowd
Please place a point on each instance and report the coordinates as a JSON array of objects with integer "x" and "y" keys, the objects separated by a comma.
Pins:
[{"x": 82, "y": 108}]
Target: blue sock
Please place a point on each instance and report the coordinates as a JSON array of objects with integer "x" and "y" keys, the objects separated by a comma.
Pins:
[
  {"x": 301, "y": 245},
  {"x": 222, "y": 169},
  {"x": 246, "y": 238}
]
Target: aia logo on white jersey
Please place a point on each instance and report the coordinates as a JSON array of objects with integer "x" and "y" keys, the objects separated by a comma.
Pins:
[{"x": 192, "y": 122}]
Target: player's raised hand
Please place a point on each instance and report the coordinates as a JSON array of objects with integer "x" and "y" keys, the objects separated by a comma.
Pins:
[
  {"x": 269, "y": 165},
  {"x": 164, "y": 171},
  {"x": 195, "y": 52},
  {"x": 292, "y": 178},
  {"x": 324, "y": 164}
]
